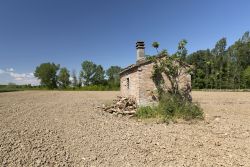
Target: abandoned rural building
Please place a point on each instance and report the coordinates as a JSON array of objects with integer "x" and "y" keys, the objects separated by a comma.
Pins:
[{"x": 136, "y": 79}]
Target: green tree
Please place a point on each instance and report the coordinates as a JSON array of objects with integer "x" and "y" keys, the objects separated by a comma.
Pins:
[
  {"x": 79, "y": 84},
  {"x": 63, "y": 78},
  {"x": 245, "y": 38},
  {"x": 47, "y": 74},
  {"x": 74, "y": 79},
  {"x": 240, "y": 59},
  {"x": 182, "y": 51},
  {"x": 92, "y": 73},
  {"x": 98, "y": 77},
  {"x": 202, "y": 62},
  {"x": 88, "y": 71},
  {"x": 223, "y": 67},
  {"x": 156, "y": 46},
  {"x": 164, "y": 52},
  {"x": 174, "y": 69},
  {"x": 219, "y": 59},
  {"x": 113, "y": 74},
  {"x": 246, "y": 75}
]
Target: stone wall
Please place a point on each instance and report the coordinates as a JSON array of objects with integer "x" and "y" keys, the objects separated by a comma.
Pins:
[
  {"x": 142, "y": 87},
  {"x": 146, "y": 85},
  {"x": 133, "y": 90},
  {"x": 147, "y": 88}
]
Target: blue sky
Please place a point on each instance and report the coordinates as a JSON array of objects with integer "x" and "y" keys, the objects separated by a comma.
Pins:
[{"x": 68, "y": 32}]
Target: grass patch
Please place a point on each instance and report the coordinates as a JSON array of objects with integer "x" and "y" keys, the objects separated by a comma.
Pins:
[
  {"x": 9, "y": 90},
  {"x": 171, "y": 108}
]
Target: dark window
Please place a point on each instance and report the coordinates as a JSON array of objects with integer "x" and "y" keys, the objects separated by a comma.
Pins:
[{"x": 128, "y": 83}]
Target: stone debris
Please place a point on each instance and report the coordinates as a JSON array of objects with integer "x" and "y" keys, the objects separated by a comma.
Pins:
[{"x": 121, "y": 105}]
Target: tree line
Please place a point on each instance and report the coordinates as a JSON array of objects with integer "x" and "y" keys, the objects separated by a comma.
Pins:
[
  {"x": 219, "y": 68},
  {"x": 91, "y": 74},
  {"x": 222, "y": 67}
]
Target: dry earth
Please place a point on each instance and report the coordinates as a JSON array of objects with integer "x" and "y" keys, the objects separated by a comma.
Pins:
[{"x": 52, "y": 128}]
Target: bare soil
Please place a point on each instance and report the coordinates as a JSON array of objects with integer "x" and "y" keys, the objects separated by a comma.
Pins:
[{"x": 58, "y": 128}]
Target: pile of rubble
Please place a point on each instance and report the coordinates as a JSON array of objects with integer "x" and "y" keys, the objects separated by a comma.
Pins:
[{"x": 121, "y": 105}]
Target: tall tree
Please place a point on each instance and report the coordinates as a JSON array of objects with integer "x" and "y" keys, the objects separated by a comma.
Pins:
[
  {"x": 156, "y": 46},
  {"x": 219, "y": 55},
  {"x": 98, "y": 77},
  {"x": 113, "y": 74},
  {"x": 223, "y": 67},
  {"x": 88, "y": 71},
  {"x": 197, "y": 60},
  {"x": 63, "y": 77},
  {"x": 182, "y": 51},
  {"x": 74, "y": 79},
  {"x": 246, "y": 75},
  {"x": 174, "y": 69},
  {"x": 92, "y": 73},
  {"x": 47, "y": 74},
  {"x": 245, "y": 38},
  {"x": 79, "y": 82}
]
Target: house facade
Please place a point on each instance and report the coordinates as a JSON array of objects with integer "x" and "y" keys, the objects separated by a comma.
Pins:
[{"x": 136, "y": 81}]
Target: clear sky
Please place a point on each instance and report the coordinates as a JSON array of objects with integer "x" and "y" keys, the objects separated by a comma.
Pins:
[{"x": 68, "y": 32}]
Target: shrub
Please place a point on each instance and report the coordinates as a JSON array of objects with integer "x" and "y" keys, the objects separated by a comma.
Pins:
[
  {"x": 171, "y": 107},
  {"x": 174, "y": 102},
  {"x": 147, "y": 112}
]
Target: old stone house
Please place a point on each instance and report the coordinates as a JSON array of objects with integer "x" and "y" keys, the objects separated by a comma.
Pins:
[{"x": 136, "y": 79}]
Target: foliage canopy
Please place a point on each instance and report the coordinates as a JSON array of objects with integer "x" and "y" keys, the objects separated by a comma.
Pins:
[
  {"x": 47, "y": 73},
  {"x": 63, "y": 78}
]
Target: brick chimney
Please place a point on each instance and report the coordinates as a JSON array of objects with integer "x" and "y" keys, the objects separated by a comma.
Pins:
[{"x": 140, "y": 52}]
